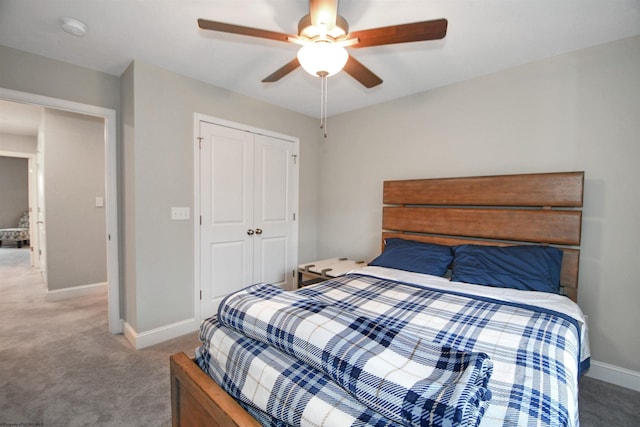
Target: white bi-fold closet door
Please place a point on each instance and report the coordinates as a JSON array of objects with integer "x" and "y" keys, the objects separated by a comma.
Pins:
[{"x": 248, "y": 201}]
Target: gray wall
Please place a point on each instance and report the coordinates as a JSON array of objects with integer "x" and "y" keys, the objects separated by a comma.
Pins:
[
  {"x": 36, "y": 74},
  {"x": 573, "y": 112},
  {"x": 74, "y": 174},
  {"x": 158, "y": 118},
  {"x": 14, "y": 190},
  {"x": 20, "y": 144},
  {"x": 26, "y": 72}
]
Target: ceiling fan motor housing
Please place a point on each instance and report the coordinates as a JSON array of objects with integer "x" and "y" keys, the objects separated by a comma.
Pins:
[{"x": 308, "y": 30}]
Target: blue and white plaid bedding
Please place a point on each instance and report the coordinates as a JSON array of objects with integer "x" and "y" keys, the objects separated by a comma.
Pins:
[
  {"x": 408, "y": 380},
  {"x": 277, "y": 389},
  {"x": 535, "y": 352}
]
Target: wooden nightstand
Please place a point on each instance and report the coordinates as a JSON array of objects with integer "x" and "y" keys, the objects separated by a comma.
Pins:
[{"x": 318, "y": 271}]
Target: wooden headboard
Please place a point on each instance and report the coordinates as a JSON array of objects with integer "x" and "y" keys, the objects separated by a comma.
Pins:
[{"x": 492, "y": 210}]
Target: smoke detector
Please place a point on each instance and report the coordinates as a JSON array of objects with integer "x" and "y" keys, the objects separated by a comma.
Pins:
[{"x": 74, "y": 27}]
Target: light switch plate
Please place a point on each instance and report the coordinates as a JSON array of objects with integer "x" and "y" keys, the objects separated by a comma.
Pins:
[
  {"x": 180, "y": 214},
  {"x": 99, "y": 202}
]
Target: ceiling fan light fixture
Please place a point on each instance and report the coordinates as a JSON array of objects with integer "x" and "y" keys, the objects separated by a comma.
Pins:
[{"x": 322, "y": 58}]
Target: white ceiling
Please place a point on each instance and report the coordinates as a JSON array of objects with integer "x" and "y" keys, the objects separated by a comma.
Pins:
[{"x": 483, "y": 36}]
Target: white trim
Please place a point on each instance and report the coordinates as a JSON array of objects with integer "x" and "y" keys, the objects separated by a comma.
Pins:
[
  {"x": 227, "y": 123},
  {"x": 159, "y": 335},
  {"x": 111, "y": 187},
  {"x": 18, "y": 154},
  {"x": 196, "y": 214},
  {"x": 76, "y": 291},
  {"x": 614, "y": 374}
]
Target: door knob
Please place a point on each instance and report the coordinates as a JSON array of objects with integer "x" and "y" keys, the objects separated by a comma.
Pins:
[
  {"x": 250, "y": 232},
  {"x": 258, "y": 231}
]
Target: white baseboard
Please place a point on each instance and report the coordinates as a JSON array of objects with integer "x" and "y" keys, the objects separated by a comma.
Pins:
[
  {"x": 117, "y": 327},
  {"x": 614, "y": 375},
  {"x": 158, "y": 335},
  {"x": 76, "y": 291}
]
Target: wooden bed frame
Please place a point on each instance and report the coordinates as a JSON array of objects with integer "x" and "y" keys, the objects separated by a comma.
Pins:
[{"x": 491, "y": 210}]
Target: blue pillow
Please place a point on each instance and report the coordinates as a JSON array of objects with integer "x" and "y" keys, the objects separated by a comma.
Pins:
[
  {"x": 417, "y": 257},
  {"x": 532, "y": 268}
]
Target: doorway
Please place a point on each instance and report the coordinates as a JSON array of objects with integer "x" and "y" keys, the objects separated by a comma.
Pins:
[
  {"x": 16, "y": 191},
  {"x": 111, "y": 194}
]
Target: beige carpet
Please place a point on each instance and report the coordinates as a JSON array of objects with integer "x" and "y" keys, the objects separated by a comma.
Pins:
[{"x": 59, "y": 365}]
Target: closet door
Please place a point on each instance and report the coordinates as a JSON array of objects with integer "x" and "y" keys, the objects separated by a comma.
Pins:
[
  {"x": 226, "y": 209},
  {"x": 248, "y": 201},
  {"x": 274, "y": 208}
]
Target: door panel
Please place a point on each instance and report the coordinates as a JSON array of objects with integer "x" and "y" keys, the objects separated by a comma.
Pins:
[
  {"x": 273, "y": 183},
  {"x": 226, "y": 182},
  {"x": 229, "y": 184},
  {"x": 227, "y": 265},
  {"x": 273, "y": 253},
  {"x": 274, "y": 208}
]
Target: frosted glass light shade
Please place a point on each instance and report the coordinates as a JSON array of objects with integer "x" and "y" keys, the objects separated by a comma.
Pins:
[{"x": 322, "y": 57}]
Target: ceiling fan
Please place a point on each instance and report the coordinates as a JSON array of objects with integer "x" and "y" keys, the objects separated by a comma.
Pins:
[{"x": 323, "y": 35}]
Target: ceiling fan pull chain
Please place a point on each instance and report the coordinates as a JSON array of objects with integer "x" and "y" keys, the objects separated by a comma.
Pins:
[{"x": 323, "y": 101}]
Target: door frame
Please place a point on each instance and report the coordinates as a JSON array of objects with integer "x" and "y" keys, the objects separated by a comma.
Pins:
[
  {"x": 197, "y": 118},
  {"x": 115, "y": 320}
]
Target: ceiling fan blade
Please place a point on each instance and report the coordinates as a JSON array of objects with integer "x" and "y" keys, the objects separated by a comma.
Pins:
[
  {"x": 323, "y": 13},
  {"x": 282, "y": 71},
  {"x": 361, "y": 73},
  {"x": 418, "y": 31},
  {"x": 244, "y": 31}
]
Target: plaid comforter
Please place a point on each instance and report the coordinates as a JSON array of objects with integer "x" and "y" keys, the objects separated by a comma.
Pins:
[
  {"x": 535, "y": 353},
  {"x": 408, "y": 380}
]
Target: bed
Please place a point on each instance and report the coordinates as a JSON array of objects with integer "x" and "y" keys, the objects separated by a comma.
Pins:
[{"x": 506, "y": 354}]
